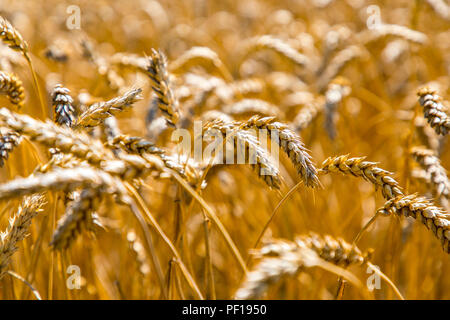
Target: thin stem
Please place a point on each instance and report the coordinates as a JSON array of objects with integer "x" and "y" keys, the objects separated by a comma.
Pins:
[
  {"x": 36, "y": 84},
  {"x": 209, "y": 274},
  {"x": 158, "y": 228},
  {"x": 149, "y": 240},
  {"x": 33, "y": 290},
  {"x": 215, "y": 219},
  {"x": 386, "y": 278},
  {"x": 266, "y": 226}
]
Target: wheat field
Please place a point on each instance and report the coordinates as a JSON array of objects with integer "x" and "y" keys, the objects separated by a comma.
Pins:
[{"x": 98, "y": 200}]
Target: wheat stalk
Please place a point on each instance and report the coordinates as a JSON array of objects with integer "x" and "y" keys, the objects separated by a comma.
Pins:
[{"x": 17, "y": 229}]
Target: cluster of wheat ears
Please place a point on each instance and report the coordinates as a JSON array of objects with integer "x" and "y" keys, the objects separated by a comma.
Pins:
[{"x": 92, "y": 180}]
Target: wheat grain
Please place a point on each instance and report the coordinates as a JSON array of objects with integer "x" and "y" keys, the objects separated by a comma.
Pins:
[
  {"x": 337, "y": 63},
  {"x": 197, "y": 56},
  {"x": 64, "y": 180},
  {"x": 77, "y": 218},
  {"x": 138, "y": 249},
  {"x": 130, "y": 61}
]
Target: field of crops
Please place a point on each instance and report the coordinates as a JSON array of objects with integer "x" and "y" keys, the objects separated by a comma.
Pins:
[{"x": 289, "y": 149}]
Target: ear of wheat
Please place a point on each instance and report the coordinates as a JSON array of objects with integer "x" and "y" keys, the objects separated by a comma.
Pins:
[
  {"x": 423, "y": 210},
  {"x": 433, "y": 110},
  {"x": 246, "y": 144},
  {"x": 62, "y": 103},
  {"x": 79, "y": 216},
  {"x": 433, "y": 168},
  {"x": 369, "y": 171},
  {"x": 8, "y": 141},
  {"x": 166, "y": 100},
  {"x": 18, "y": 228},
  {"x": 307, "y": 114},
  {"x": 98, "y": 112},
  {"x": 13, "y": 88},
  {"x": 10, "y": 36},
  {"x": 292, "y": 145},
  {"x": 281, "y": 257},
  {"x": 279, "y": 46}
]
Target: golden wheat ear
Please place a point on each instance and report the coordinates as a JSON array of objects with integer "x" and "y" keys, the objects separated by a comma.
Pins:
[
  {"x": 433, "y": 110},
  {"x": 288, "y": 258},
  {"x": 63, "y": 106},
  {"x": 17, "y": 230},
  {"x": 423, "y": 210},
  {"x": 166, "y": 100},
  {"x": 13, "y": 88}
]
